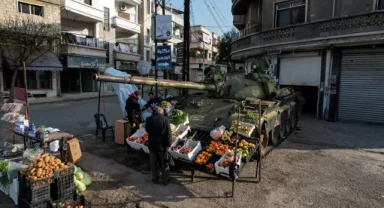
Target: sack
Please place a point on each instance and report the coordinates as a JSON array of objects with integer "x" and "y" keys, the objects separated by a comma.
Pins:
[{"x": 169, "y": 159}]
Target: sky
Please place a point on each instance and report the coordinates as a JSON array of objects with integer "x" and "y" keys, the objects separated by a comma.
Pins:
[{"x": 202, "y": 15}]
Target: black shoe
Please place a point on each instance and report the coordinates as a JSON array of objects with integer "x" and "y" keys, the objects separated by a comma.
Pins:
[{"x": 155, "y": 181}]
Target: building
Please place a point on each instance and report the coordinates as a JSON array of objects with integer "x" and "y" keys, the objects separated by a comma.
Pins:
[
  {"x": 96, "y": 34},
  {"x": 203, "y": 51},
  {"x": 330, "y": 50},
  {"x": 145, "y": 39},
  {"x": 43, "y": 74}
]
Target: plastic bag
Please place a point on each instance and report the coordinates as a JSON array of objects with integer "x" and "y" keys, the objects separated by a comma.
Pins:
[
  {"x": 31, "y": 154},
  {"x": 217, "y": 133},
  {"x": 54, "y": 146},
  {"x": 14, "y": 169}
]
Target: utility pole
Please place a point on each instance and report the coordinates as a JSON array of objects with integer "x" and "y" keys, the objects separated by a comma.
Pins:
[
  {"x": 154, "y": 36},
  {"x": 186, "y": 42}
]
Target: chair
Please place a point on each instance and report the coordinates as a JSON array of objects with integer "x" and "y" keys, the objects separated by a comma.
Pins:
[{"x": 101, "y": 123}]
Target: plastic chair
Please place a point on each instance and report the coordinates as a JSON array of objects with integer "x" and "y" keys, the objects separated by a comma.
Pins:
[{"x": 102, "y": 124}]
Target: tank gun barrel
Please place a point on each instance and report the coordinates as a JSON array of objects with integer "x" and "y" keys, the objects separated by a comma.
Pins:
[{"x": 153, "y": 82}]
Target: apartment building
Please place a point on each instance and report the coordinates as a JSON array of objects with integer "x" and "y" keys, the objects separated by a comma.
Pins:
[
  {"x": 96, "y": 34},
  {"x": 203, "y": 51},
  {"x": 43, "y": 74},
  {"x": 330, "y": 50},
  {"x": 145, "y": 39}
]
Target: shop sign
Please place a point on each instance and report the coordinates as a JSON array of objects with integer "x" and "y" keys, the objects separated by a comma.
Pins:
[
  {"x": 85, "y": 62},
  {"x": 163, "y": 27},
  {"x": 163, "y": 57},
  {"x": 179, "y": 53},
  {"x": 207, "y": 38}
]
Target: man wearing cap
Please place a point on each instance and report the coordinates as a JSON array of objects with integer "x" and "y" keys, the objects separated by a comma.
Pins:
[
  {"x": 159, "y": 139},
  {"x": 132, "y": 107}
]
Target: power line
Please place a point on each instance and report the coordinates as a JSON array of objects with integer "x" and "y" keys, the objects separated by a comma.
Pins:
[
  {"x": 219, "y": 12},
  {"x": 213, "y": 15}
]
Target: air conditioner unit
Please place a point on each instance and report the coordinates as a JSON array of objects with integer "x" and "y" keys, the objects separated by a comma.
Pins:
[{"x": 123, "y": 7}]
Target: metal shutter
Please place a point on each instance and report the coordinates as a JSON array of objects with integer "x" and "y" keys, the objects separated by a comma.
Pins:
[{"x": 362, "y": 88}]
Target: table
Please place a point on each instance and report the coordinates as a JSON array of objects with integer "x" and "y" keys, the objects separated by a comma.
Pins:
[{"x": 43, "y": 143}]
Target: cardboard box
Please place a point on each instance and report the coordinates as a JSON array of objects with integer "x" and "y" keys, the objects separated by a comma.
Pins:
[
  {"x": 74, "y": 151},
  {"x": 122, "y": 131}
]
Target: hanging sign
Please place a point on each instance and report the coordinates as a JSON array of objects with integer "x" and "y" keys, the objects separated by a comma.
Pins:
[
  {"x": 163, "y": 27},
  {"x": 163, "y": 57}
]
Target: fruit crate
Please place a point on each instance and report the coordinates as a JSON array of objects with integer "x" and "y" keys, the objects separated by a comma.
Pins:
[
  {"x": 63, "y": 186},
  {"x": 64, "y": 172},
  {"x": 34, "y": 191},
  {"x": 73, "y": 201},
  {"x": 251, "y": 152},
  {"x": 224, "y": 171},
  {"x": 41, "y": 204},
  {"x": 196, "y": 148}
]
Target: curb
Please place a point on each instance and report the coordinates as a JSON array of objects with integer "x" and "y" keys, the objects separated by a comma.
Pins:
[{"x": 63, "y": 100}]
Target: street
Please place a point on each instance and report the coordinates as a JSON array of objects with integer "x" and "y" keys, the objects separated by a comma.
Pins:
[{"x": 312, "y": 168}]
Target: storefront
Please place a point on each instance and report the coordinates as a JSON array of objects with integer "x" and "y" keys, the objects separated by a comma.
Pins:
[
  {"x": 43, "y": 76},
  {"x": 78, "y": 72},
  {"x": 361, "y": 89}
]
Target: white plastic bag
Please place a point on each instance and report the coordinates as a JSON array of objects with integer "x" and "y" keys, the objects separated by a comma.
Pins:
[
  {"x": 217, "y": 133},
  {"x": 54, "y": 146},
  {"x": 13, "y": 169},
  {"x": 31, "y": 154}
]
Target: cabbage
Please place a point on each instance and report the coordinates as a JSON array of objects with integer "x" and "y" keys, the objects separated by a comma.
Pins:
[
  {"x": 79, "y": 175},
  {"x": 86, "y": 179},
  {"x": 80, "y": 186}
]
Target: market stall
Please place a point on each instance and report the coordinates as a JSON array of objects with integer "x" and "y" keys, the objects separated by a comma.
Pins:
[{"x": 223, "y": 151}]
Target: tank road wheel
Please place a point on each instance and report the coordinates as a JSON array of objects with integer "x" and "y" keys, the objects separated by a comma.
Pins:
[
  {"x": 282, "y": 132},
  {"x": 274, "y": 135},
  {"x": 263, "y": 141}
]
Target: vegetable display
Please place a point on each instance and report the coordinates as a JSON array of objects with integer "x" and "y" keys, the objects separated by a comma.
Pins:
[
  {"x": 44, "y": 167},
  {"x": 203, "y": 158},
  {"x": 165, "y": 104},
  {"x": 242, "y": 127},
  {"x": 252, "y": 116},
  {"x": 81, "y": 180},
  {"x": 177, "y": 117},
  {"x": 4, "y": 181},
  {"x": 217, "y": 148}
]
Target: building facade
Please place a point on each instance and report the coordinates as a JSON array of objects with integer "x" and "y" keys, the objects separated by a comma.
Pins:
[
  {"x": 330, "y": 50},
  {"x": 43, "y": 74},
  {"x": 203, "y": 51}
]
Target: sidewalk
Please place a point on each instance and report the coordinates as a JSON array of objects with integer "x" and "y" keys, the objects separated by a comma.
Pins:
[{"x": 69, "y": 97}]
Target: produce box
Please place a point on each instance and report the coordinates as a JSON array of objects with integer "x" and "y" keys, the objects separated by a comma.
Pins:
[
  {"x": 180, "y": 142},
  {"x": 131, "y": 141},
  {"x": 63, "y": 184},
  {"x": 224, "y": 170},
  {"x": 41, "y": 204},
  {"x": 190, "y": 149},
  {"x": 34, "y": 191},
  {"x": 74, "y": 151},
  {"x": 245, "y": 129},
  {"x": 122, "y": 131},
  {"x": 181, "y": 131}
]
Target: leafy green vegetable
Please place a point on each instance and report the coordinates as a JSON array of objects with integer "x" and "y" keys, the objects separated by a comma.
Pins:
[
  {"x": 86, "y": 179},
  {"x": 80, "y": 186},
  {"x": 4, "y": 180},
  {"x": 252, "y": 116},
  {"x": 177, "y": 117}
]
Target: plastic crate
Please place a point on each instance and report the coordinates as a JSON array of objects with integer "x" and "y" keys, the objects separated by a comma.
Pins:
[
  {"x": 33, "y": 193},
  {"x": 73, "y": 200},
  {"x": 62, "y": 187},
  {"x": 64, "y": 172},
  {"x": 41, "y": 204}
]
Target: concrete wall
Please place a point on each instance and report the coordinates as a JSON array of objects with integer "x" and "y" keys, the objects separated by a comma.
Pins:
[
  {"x": 353, "y": 7},
  {"x": 252, "y": 16},
  {"x": 78, "y": 27}
]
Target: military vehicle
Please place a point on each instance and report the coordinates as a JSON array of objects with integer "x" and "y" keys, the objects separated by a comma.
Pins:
[{"x": 223, "y": 98}]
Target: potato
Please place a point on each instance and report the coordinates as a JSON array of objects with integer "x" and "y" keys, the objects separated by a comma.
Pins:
[
  {"x": 32, "y": 170},
  {"x": 65, "y": 167},
  {"x": 33, "y": 178},
  {"x": 57, "y": 160},
  {"x": 39, "y": 172},
  {"x": 46, "y": 159},
  {"x": 39, "y": 164},
  {"x": 44, "y": 155}
]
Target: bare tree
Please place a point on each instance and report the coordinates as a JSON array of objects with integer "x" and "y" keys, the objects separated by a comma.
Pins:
[{"x": 25, "y": 39}]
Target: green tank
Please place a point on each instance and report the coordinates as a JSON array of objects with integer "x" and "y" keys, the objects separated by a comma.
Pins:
[{"x": 227, "y": 97}]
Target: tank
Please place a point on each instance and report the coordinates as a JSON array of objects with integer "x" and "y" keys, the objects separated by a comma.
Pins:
[{"x": 222, "y": 98}]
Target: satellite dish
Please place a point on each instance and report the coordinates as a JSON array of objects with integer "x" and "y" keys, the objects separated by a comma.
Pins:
[{"x": 144, "y": 67}]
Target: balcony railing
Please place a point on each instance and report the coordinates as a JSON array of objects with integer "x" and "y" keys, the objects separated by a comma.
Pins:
[
  {"x": 320, "y": 30},
  {"x": 69, "y": 38},
  {"x": 82, "y": 8},
  {"x": 127, "y": 48},
  {"x": 239, "y": 19}
]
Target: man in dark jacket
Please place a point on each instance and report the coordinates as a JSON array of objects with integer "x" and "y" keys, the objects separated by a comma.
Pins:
[
  {"x": 132, "y": 107},
  {"x": 153, "y": 100},
  {"x": 159, "y": 139}
]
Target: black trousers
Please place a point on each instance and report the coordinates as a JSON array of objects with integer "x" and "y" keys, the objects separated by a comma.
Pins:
[{"x": 159, "y": 163}]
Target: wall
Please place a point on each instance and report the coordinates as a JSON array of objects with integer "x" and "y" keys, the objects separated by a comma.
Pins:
[
  {"x": 320, "y": 10},
  {"x": 353, "y": 7},
  {"x": 252, "y": 16},
  {"x": 109, "y": 36},
  {"x": 78, "y": 27}
]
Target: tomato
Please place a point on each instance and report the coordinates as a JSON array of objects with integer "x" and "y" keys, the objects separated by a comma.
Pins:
[{"x": 68, "y": 206}]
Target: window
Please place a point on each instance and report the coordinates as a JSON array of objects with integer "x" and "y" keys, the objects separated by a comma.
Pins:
[
  {"x": 148, "y": 55},
  {"x": 380, "y": 5},
  {"x": 31, "y": 9},
  {"x": 148, "y": 6},
  {"x": 106, "y": 19},
  {"x": 290, "y": 13},
  {"x": 148, "y": 35},
  {"x": 89, "y": 2}
]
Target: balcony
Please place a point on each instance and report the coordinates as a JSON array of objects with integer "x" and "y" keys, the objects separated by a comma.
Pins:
[
  {"x": 75, "y": 45},
  {"x": 121, "y": 23},
  {"x": 239, "y": 21},
  {"x": 130, "y": 2},
  {"x": 240, "y": 7},
  {"x": 126, "y": 52},
  {"x": 337, "y": 32},
  {"x": 200, "y": 45},
  {"x": 75, "y": 8},
  {"x": 215, "y": 49}
]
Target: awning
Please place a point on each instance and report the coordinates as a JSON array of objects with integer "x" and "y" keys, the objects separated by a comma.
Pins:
[{"x": 46, "y": 62}]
